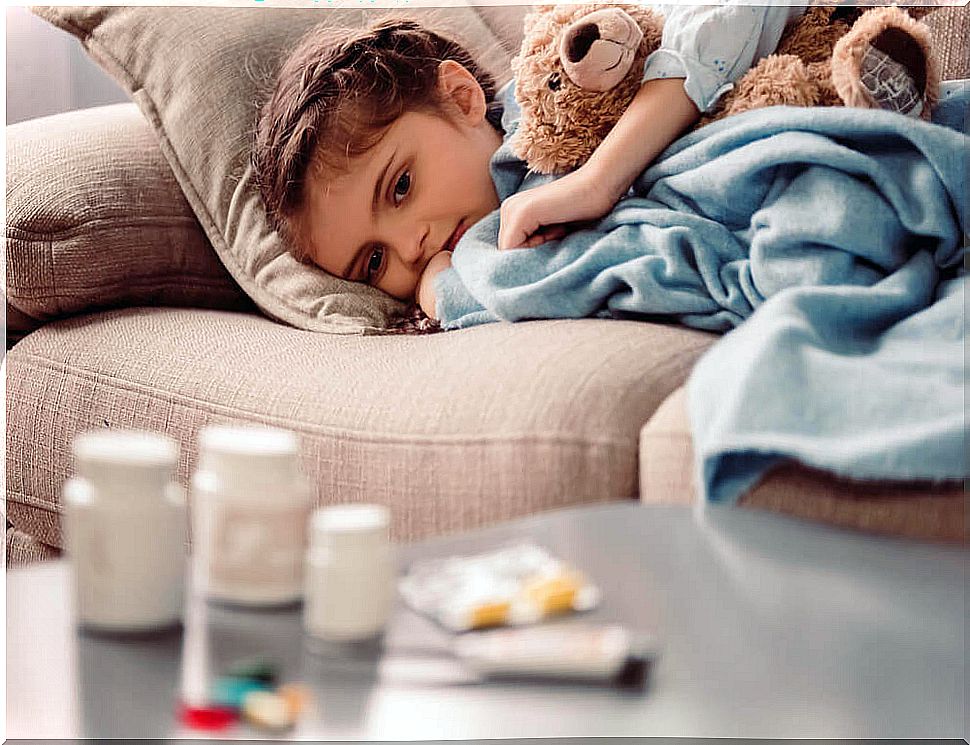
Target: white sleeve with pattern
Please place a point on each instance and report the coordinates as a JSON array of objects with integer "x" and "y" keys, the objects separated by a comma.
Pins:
[{"x": 711, "y": 46}]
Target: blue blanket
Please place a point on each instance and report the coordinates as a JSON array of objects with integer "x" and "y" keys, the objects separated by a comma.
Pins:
[{"x": 832, "y": 242}]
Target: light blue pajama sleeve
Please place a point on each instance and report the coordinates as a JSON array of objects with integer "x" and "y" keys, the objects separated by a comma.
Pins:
[{"x": 712, "y": 46}]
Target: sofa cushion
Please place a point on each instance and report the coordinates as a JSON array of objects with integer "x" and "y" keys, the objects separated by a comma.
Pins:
[
  {"x": 23, "y": 549},
  {"x": 95, "y": 219},
  {"x": 950, "y": 27},
  {"x": 197, "y": 73},
  {"x": 913, "y": 510},
  {"x": 452, "y": 431}
]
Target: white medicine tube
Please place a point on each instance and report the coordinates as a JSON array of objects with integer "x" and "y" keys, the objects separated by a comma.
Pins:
[{"x": 608, "y": 654}]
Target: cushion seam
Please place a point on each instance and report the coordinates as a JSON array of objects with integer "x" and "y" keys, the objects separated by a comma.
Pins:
[
  {"x": 317, "y": 429},
  {"x": 22, "y": 233},
  {"x": 28, "y": 500},
  {"x": 152, "y": 282}
]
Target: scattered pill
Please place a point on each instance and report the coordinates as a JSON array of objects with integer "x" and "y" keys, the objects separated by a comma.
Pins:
[
  {"x": 207, "y": 718},
  {"x": 230, "y": 691},
  {"x": 267, "y": 710},
  {"x": 255, "y": 669},
  {"x": 296, "y": 696}
]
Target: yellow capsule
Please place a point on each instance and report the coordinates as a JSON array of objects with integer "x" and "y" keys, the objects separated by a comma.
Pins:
[
  {"x": 490, "y": 614},
  {"x": 554, "y": 594},
  {"x": 267, "y": 711}
]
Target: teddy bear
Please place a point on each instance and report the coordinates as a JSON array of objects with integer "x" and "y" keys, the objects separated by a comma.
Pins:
[{"x": 579, "y": 67}]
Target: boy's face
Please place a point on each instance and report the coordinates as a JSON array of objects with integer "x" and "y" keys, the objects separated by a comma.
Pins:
[{"x": 407, "y": 198}]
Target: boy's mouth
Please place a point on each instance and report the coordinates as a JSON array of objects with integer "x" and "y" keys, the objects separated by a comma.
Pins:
[{"x": 454, "y": 237}]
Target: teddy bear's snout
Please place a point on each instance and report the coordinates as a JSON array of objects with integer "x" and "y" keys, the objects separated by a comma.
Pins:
[
  {"x": 597, "y": 50},
  {"x": 580, "y": 39}
]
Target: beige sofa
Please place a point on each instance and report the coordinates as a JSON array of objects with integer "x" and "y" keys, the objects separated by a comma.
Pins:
[{"x": 451, "y": 430}]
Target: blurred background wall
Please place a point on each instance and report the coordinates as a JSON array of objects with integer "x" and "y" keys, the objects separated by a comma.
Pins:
[{"x": 48, "y": 71}]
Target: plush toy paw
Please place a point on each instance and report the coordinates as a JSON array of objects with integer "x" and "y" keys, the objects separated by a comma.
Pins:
[
  {"x": 885, "y": 62},
  {"x": 889, "y": 83}
]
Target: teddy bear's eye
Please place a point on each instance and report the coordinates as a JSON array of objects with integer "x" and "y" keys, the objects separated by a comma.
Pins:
[{"x": 554, "y": 82}]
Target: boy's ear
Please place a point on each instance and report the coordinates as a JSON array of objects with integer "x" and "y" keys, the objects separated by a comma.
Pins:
[{"x": 457, "y": 85}]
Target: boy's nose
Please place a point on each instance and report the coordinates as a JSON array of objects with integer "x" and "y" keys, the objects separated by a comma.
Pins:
[{"x": 413, "y": 245}]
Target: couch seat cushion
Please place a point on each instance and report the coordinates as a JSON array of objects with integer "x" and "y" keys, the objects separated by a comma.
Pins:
[{"x": 452, "y": 431}]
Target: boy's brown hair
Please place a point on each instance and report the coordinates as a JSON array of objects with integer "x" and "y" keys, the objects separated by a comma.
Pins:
[{"x": 342, "y": 87}]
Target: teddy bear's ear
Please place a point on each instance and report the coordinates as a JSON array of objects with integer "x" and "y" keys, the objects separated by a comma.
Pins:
[
  {"x": 538, "y": 12},
  {"x": 530, "y": 20}
]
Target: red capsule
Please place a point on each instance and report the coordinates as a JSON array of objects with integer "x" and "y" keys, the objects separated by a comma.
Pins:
[{"x": 208, "y": 718}]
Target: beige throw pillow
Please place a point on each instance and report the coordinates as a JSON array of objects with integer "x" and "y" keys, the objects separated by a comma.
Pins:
[
  {"x": 96, "y": 220},
  {"x": 197, "y": 74}
]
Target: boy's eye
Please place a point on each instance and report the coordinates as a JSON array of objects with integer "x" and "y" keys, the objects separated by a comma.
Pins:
[
  {"x": 402, "y": 187},
  {"x": 374, "y": 263}
]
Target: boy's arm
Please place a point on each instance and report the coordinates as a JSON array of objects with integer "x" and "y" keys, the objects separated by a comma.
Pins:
[{"x": 659, "y": 112}]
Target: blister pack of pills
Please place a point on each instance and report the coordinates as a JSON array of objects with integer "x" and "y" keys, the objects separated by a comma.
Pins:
[{"x": 516, "y": 584}]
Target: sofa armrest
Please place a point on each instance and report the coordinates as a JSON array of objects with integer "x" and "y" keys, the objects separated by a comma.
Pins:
[
  {"x": 912, "y": 510},
  {"x": 951, "y": 36},
  {"x": 95, "y": 219}
]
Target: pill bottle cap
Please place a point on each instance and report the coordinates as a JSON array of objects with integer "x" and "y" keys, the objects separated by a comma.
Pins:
[
  {"x": 350, "y": 527},
  {"x": 124, "y": 453},
  {"x": 249, "y": 455},
  {"x": 125, "y": 446}
]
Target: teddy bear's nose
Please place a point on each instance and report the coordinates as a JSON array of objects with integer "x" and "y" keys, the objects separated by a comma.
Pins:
[
  {"x": 580, "y": 39},
  {"x": 598, "y": 49}
]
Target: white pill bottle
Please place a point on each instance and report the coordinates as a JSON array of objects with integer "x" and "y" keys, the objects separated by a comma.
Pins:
[
  {"x": 125, "y": 531},
  {"x": 349, "y": 574},
  {"x": 250, "y": 506}
]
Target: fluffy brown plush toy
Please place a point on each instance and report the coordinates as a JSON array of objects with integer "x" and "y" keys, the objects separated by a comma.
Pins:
[{"x": 581, "y": 65}]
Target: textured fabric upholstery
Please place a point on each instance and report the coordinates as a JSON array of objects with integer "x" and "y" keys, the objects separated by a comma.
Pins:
[
  {"x": 451, "y": 431},
  {"x": 23, "y": 549},
  {"x": 913, "y": 510},
  {"x": 95, "y": 219},
  {"x": 951, "y": 36}
]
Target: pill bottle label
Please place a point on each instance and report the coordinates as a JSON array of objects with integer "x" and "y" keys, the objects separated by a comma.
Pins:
[{"x": 257, "y": 547}]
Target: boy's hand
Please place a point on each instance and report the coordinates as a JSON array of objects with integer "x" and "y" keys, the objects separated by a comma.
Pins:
[
  {"x": 538, "y": 215},
  {"x": 425, "y": 293},
  {"x": 659, "y": 112}
]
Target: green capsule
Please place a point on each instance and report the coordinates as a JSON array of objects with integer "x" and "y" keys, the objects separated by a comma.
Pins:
[
  {"x": 255, "y": 669},
  {"x": 230, "y": 691}
]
